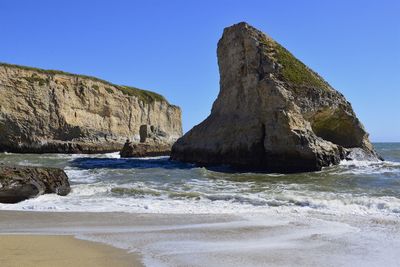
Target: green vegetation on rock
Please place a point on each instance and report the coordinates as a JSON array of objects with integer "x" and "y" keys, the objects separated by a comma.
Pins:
[
  {"x": 109, "y": 90},
  {"x": 337, "y": 127},
  {"x": 294, "y": 71},
  {"x": 143, "y": 95},
  {"x": 36, "y": 79}
]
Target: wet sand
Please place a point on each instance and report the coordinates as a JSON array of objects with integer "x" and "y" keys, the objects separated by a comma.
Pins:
[
  {"x": 306, "y": 239},
  {"x": 60, "y": 250}
]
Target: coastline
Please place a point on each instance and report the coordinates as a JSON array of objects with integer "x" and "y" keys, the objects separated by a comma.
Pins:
[
  {"x": 61, "y": 250},
  {"x": 254, "y": 239},
  {"x": 173, "y": 214}
]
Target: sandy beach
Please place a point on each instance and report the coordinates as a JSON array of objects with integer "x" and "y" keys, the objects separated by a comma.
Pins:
[
  {"x": 197, "y": 240},
  {"x": 157, "y": 213},
  {"x": 60, "y": 250},
  {"x": 200, "y": 133}
]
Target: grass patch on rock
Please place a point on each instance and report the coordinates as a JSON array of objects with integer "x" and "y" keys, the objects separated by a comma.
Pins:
[
  {"x": 292, "y": 70},
  {"x": 143, "y": 95},
  {"x": 36, "y": 79}
]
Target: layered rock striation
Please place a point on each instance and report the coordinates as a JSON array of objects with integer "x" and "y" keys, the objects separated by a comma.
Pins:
[
  {"x": 53, "y": 111},
  {"x": 273, "y": 113},
  {"x": 18, "y": 183}
]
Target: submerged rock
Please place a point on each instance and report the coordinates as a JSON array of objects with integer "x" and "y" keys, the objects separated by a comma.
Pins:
[
  {"x": 272, "y": 113},
  {"x": 20, "y": 183},
  {"x": 53, "y": 111}
]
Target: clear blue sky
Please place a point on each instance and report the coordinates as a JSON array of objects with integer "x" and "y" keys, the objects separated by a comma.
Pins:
[{"x": 170, "y": 46}]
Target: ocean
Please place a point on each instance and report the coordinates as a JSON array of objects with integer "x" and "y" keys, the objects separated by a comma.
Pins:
[
  {"x": 176, "y": 214},
  {"x": 106, "y": 182}
]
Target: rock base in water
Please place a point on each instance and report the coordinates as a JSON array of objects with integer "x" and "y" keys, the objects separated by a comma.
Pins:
[
  {"x": 139, "y": 150},
  {"x": 20, "y": 183}
]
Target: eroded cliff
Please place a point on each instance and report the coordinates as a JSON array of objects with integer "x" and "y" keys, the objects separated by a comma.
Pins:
[{"x": 53, "y": 111}]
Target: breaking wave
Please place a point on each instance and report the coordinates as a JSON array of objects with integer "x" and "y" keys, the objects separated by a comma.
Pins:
[{"x": 157, "y": 185}]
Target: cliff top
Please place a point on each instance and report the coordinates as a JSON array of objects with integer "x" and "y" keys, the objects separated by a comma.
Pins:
[
  {"x": 144, "y": 95},
  {"x": 291, "y": 70}
]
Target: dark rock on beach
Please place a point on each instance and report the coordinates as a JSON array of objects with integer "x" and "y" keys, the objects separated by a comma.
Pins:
[
  {"x": 273, "y": 113},
  {"x": 19, "y": 183}
]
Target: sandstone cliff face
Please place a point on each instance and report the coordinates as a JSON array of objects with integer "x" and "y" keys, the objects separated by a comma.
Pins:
[
  {"x": 53, "y": 111},
  {"x": 272, "y": 113}
]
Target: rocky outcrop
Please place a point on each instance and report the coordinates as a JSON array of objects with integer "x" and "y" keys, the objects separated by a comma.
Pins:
[
  {"x": 134, "y": 150},
  {"x": 53, "y": 111},
  {"x": 20, "y": 183},
  {"x": 152, "y": 143},
  {"x": 272, "y": 113}
]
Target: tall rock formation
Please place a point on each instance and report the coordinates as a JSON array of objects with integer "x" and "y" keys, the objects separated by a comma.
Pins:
[
  {"x": 272, "y": 113},
  {"x": 54, "y": 111}
]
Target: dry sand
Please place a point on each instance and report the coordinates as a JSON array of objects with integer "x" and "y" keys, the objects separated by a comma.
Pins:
[{"x": 60, "y": 250}]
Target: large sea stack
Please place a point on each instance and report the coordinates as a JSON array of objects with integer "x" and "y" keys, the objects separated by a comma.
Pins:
[
  {"x": 53, "y": 111},
  {"x": 273, "y": 113}
]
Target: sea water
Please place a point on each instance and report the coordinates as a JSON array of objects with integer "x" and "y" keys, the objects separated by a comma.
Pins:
[
  {"x": 177, "y": 214},
  {"x": 106, "y": 182}
]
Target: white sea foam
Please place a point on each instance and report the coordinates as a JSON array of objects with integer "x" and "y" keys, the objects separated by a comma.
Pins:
[
  {"x": 282, "y": 216},
  {"x": 155, "y": 185},
  {"x": 363, "y": 163},
  {"x": 97, "y": 197},
  {"x": 253, "y": 239}
]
